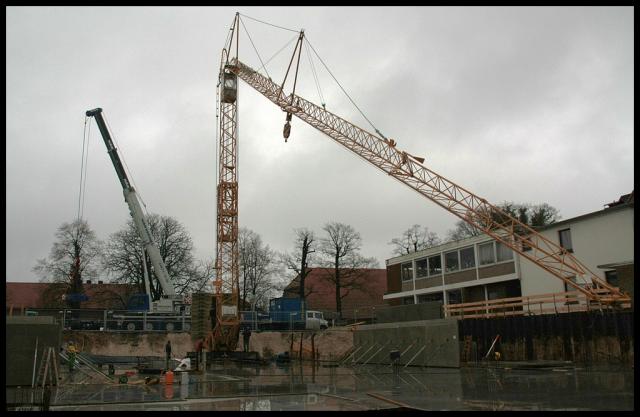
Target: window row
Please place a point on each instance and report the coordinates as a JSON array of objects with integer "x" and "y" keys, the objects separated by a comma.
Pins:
[{"x": 465, "y": 258}]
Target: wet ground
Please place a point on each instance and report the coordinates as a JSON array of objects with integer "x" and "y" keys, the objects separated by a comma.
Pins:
[{"x": 239, "y": 387}]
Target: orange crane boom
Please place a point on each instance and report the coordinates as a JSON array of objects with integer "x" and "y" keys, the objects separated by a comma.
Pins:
[{"x": 409, "y": 170}]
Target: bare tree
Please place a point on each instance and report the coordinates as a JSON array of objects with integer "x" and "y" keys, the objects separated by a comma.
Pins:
[
  {"x": 463, "y": 230},
  {"x": 414, "y": 239},
  {"x": 543, "y": 215},
  {"x": 531, "y": 215},
  {"x": 74, "y": 255},
  {"x": 257, "y": 268},
  {"x": 300, "y": 258},
  {"x": 124, "y": 257},
  {"x": 341, "y": 249}
]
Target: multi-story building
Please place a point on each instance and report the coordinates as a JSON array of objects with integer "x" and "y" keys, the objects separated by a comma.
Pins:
[{"x": 480, "y": 268}]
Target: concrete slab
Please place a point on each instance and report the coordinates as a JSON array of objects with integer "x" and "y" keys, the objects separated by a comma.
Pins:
[{"x": 240, "y": 387}]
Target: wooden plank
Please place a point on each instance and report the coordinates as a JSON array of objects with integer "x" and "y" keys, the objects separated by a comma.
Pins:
[
  {"x": 537, "y": 303},
  {"x": 528, "y": 297}
]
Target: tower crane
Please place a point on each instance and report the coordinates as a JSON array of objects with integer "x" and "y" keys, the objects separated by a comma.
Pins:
[{"x": 384, "y": 154}]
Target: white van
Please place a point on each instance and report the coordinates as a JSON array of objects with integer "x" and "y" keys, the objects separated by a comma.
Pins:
[{"x": 315, "y": 321}]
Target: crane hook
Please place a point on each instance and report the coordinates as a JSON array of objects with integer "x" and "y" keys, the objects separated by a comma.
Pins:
[{"x": 287, "y": 128}]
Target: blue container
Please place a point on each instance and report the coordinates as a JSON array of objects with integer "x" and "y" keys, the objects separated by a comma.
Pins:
[{"x": 286, "y": 310}]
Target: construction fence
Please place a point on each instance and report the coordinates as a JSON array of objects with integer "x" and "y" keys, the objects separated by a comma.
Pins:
[{"x": 114, "y": 320}]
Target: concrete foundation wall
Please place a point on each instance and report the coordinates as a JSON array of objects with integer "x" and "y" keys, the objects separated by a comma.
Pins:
[
  {"x": 21, "y": 334},
  {"x": 424, "y": 343},
  {"x": 330, "y": 344},
  {"x": 130, "y": 344},
  {"x": 411, "y": 312}
]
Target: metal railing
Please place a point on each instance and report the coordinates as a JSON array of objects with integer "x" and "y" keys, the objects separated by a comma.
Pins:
[
  {"x": 28, "y": 399},
  {"x": 552, "y": 303},
  {"x": 115, "y": 320}
]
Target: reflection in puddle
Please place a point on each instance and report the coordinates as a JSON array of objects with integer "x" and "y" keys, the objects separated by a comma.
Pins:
[{"x": 294, "y": 387}]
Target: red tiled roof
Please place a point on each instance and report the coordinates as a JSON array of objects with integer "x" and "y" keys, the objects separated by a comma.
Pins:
[
  {"x": 322, "y": 291},
  {"x": 30, "y": 294}
]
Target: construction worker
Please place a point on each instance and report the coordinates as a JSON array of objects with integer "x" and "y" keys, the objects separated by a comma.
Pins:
[
  {"x": 167, "y": 351},
  {"x": 246, "y": 334},
  {"x": 199, "y": 348},
  {"x": 71, "y": 349}
]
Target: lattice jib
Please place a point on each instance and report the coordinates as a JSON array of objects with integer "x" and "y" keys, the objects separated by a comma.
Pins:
[{"x": 474, "y": 210}]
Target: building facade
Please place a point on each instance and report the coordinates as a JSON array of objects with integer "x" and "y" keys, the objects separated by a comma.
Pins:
[
  {"x": 602, "y": 240},
  {"x": 463, "y": 271},
  {"x": 362, "y": 292},
  {"x": 480, "y": 268}
]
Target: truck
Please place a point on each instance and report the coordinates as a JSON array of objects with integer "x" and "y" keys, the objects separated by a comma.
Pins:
[
  {"x": 170, "y": 311},
  {"x": 287, "y": 314}
]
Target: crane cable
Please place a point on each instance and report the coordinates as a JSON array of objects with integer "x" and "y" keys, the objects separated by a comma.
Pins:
[
  {"x": 280, "y": 50},
  {"x": 254, "y": 48},
  {"x": 270, "y": 24},
  {"x": 343, "y": 90},
  {"x": 326, "y": 67},
  {"x": 83, "y": 168},
  {"x": 315, "y": 78},
  {"x": 144, "y": 205},
  {"x": 264, "y": 64}
]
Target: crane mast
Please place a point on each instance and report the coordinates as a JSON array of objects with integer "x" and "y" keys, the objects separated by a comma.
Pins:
[
  {"x": 409, "y": 170},
  {"x": 131, "y": 197},
  {"x": 226, "y": 326}
]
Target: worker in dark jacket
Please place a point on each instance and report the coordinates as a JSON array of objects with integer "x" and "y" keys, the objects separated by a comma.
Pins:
[
  {"x": 246, "y": 334},
  {"x": 167, "y": 351},
  {"x": 199, "y": 350}
]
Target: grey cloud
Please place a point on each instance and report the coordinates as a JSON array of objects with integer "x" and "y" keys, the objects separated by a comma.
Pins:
[{"x": 521, "y": 104}]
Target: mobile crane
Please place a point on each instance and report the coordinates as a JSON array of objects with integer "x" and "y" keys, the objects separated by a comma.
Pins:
[
  {"x": 169, "y": 310},
  {"x": 382, "y": 152}
]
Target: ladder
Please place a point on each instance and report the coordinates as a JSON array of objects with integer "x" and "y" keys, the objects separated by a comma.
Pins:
[{"x": 48, "y": 367}]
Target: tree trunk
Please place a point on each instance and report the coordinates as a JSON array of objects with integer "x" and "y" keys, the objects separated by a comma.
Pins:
[
  {"x": 338, "y": 298},
  {"x": 244, "y": 286},
  {"x": 76, "y": 277},
  {"x": 303, "y": 266}
]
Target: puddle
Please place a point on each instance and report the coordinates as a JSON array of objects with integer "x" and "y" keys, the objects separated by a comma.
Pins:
[{"x": 274, "y": 387}]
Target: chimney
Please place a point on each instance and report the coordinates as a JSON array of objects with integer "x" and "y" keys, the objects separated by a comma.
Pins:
[{"x": 88, "y": 281}]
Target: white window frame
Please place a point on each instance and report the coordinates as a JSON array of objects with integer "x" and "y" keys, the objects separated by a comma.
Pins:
[
  {"x": 460, "y": 258},
  {"x": 457, "y": 252},
  {"x": 495, "y": 255},
  {"x": 437, "y": 274},
  {"x": 402, "y": 279},
  {"x": 426, "y": 259}
]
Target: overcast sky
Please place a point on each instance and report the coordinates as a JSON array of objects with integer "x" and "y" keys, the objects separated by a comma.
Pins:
[{"x": 518, "y": 104}]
